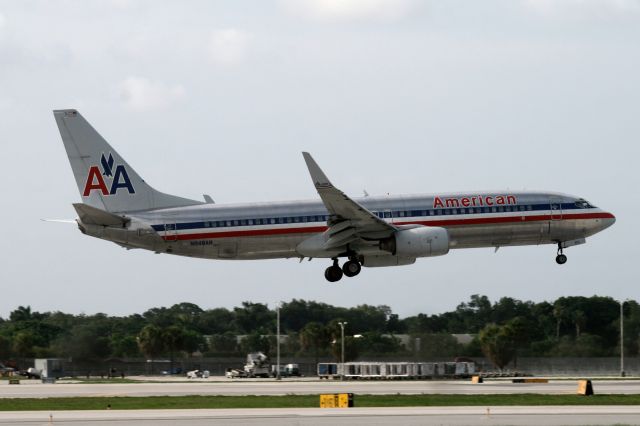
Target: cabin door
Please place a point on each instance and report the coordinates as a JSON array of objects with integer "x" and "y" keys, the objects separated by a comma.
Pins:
[
  {"x": 170, "y": 231},
  {"x": 556, "y": 209}
]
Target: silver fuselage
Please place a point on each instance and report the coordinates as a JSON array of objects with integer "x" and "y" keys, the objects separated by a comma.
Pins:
[{"x": 274, "y": 230}]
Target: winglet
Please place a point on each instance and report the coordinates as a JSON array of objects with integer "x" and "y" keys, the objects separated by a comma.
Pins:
[{"x": 320, "y": 180}]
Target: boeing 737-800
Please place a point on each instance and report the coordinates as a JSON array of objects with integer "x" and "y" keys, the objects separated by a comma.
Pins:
[{"x": 119, "y": 206}]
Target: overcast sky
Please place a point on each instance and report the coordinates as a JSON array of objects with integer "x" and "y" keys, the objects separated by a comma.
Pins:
[{"x": 390, "y": 96}]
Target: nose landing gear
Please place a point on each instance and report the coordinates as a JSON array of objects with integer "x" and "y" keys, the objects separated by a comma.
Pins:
[
  {"x": 334, "y": 273},
  {"x": 561, "y": 258}
]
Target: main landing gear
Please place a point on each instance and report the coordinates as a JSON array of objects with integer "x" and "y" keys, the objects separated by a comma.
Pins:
[
  {"x": 561, "y": 259},
  {"x": 334, "y": 273}
]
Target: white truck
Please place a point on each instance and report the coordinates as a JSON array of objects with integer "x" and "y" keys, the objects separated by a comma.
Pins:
[{"x": 257, "y": 365}]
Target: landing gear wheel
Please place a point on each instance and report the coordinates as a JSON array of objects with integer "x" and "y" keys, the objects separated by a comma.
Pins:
[
  {"x": 333, "y": 273},
  {"x": 351, "y": 268},
  {"x": 561, "y": 259}
]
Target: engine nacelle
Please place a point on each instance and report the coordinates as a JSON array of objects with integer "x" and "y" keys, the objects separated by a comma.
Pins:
[{"x": 424, "y": 241}]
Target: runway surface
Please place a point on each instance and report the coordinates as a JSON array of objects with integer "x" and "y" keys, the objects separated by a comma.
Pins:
[
  {"x": 33, "y": 389},
  {"x": 548, "y": 415}
]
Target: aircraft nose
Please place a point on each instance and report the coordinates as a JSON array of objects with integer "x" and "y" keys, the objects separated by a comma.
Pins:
[{"x": 609, "y": 220}]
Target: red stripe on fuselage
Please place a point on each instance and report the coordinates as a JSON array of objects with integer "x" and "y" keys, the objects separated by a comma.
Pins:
[{"x": 451, "y": 222}]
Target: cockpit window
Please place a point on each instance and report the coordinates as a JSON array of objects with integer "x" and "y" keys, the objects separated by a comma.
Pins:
[{"x": 584, "y": 204}]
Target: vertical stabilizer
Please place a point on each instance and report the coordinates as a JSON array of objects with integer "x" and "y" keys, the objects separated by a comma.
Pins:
[{"x": 104, "y": 179}]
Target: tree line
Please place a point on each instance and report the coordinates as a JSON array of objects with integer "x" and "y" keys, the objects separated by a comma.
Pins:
[{"x": 501, "y": 330}]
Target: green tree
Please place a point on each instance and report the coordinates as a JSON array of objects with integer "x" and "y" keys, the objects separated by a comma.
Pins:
[
  {"x": 5, "y": 347},
  {"x": 559, "y": 313},
  {"x": 23, "y": 344},
  {"x": 173, "y": 338},
  {"x": 351, "y": 349},
  {"x": 124, "y": 346},
  {"x": 253, "y": 317},
  {"x": 151, "y": 341},
  {"x": 375, "y": 343},
  {"x": 255, "y": 342},
  {"x": 498, "y": 344},
  {"x": 216, "y": 321},
  {"x": 579, "y": 319},
  {"x": 220, "y": 344},
  {"x": 436, "y": 345},
  {"x": 193, "y": 342},
  {"x": 23, "y": 313},
  {"x": 314, "y": 336},
  {"x": 84, "y": 342}
]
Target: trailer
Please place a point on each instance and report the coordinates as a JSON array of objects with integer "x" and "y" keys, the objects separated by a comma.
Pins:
[
  {"x": 327, "y": 370},
  {"x": 396, "y": 370},
  {"x": 49, "y": 368}
]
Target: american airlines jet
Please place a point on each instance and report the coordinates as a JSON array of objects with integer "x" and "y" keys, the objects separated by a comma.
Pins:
[{"x": 119, "y": 206}]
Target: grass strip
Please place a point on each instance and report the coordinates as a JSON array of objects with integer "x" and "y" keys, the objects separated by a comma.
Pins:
[{"x": 304, "y": 401}]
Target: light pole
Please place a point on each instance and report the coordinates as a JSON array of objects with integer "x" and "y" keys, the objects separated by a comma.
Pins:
[
  {"x": 622, "y": 374},
  {"x": 278, "y": 342},
  {"x": 342, "y": 324}
]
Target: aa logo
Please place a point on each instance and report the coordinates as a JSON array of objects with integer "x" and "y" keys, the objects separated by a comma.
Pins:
[{"x": 108, "y": 180}]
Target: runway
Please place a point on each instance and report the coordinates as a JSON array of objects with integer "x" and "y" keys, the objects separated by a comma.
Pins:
[
  {"x": 548, "y": 415},
  {"x": 33, "y": 389}
]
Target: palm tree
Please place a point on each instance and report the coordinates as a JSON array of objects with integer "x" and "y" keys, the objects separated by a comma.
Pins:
[
  {"x": 173, "y": 338},
  {"x": 151, "y": 342},
  {"x": 579, "y": 319},
  {"x": 559, "y": 314}
]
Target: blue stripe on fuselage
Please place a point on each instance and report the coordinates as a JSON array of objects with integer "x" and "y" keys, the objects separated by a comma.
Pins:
[{"x": 396, "y": 214}]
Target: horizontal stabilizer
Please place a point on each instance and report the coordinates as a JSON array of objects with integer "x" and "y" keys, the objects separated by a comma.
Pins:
[
  {"x": 94, "y": 216},
  {"x": 59, "y": 220}
]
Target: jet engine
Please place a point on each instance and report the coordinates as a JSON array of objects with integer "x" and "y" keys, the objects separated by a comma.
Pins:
[{"x": 423, "y": 241}]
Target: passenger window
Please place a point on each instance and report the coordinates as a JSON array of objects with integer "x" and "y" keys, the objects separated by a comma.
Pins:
[
  {"x": 529, "y": 208},
  {"x": 501, "y": 209},
  {"x": 493, "y": 210},
  {"x": 243, "y": 222},
  {"x": 430, "y": 212}
]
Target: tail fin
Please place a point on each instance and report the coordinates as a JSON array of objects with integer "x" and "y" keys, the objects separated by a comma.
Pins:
[{"x": 104, "y": 179}]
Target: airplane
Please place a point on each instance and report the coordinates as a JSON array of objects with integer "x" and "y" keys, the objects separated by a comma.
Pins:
[{"x": 373, "y": 231}]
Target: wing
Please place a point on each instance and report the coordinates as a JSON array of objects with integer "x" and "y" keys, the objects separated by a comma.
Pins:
[{"x": 348, "y": 220}]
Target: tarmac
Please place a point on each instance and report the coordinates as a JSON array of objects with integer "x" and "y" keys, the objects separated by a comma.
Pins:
[
  {"x": 217, "y": 386},
  {"x": 547, "y": 415}
]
